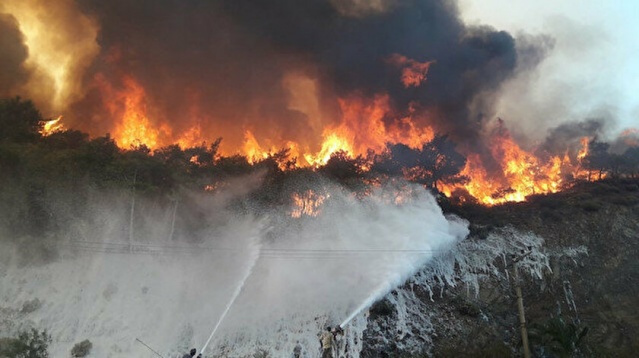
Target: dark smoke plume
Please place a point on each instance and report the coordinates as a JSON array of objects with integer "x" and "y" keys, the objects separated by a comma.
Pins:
[
  {"x": 221, "y": 65},
  {"x": 13, "y": 53},
  {"x": 569, "y": 134}
]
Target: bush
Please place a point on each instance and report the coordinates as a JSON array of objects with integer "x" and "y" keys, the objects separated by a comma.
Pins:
[
  {"x": 549, "y": 214},
  {"x": 382, "y": 308},
  {"x": 558, "y": 336},
  {"x": 28, "y": 344},
  {"x": 551, "y": 202},
  {"x": 606, "y": 188},
  {"x": 81, "y": 349},
  {"x": 456, "y": 348},
  {"x": 465, "y": 307},
  {"x": 591, "y": 205},
  {"x": 632, "y": 187},
  {"x": 625, "y": 201},
  {"x": 31, "y": 306}
]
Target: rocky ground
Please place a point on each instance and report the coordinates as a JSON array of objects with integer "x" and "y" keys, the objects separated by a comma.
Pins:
[{"x": 585, "y": 305}]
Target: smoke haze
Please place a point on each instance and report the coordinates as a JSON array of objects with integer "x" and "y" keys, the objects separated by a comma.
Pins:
[{"x": 170, "y": 292}]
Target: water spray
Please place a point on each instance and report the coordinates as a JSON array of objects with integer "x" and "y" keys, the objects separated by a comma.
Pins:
[
  {"x": 377, "y": 293},
  {"x": 236, "y": 293}
]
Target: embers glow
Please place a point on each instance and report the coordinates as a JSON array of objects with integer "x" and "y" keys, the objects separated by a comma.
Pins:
[{"x": 307, "y": 203}]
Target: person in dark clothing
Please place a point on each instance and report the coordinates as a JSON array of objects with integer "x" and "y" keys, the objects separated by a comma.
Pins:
[{"x": 191, "y": 354}]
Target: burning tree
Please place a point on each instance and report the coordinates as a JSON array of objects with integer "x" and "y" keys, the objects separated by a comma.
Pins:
[
  {"x": 436, "y": 162},
  {"x": 598, "y": 159}
]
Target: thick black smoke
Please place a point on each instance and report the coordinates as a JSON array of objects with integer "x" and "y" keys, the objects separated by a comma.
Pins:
[
  {"x": 352, "y": 52},
  {"x": 13, "y": 53},
  {"x": 221, "y": 64},
  {"x": 569, "y": 135}
]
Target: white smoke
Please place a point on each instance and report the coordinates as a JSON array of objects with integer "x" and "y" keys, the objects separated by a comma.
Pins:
[{"x": 170, "y": 292}]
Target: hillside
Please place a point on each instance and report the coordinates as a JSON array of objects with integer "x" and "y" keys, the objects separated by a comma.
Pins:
[
  {"x": 577, "y": 251},
  {"x": 590, "y": 286}
]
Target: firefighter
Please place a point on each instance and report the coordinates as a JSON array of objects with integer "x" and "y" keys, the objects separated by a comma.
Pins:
[{"x": 327, "y": 339}]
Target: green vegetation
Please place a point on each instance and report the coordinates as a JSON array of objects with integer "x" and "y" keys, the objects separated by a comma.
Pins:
[
  {"x": 38, "y": 173},
  {"x": 28, "y": 344},
  {"x": 49, "y": 182},
  {"x": 458, "y": 348},
  {"x": 600, "y": 162},
  {"x": 558, "y": 336}
]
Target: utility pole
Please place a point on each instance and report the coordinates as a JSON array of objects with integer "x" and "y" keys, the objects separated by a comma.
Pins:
[
  {"x": 522, "y": 316},
  {"x": 135, "y": 175},
  {"x": 175, "y": 206}
]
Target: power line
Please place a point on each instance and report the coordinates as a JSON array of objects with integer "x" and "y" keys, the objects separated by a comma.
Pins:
[{"x": 269, "y": 253}]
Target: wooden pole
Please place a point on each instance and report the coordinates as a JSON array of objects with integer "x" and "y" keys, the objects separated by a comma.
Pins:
[
  {"x": 522, "y": 316},
  {"x": 173, "y": 220},
  {"x": 135, "y": 174}
]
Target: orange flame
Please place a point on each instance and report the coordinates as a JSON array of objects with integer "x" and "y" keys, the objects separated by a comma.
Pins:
[
  {"x": 413, "y": 72},
  {"x": 630, "y": 137},
  {"x": 128, "y": 106},
  {"x": 583, "y": 152},
  {"x": 521, "y": 173},
  {"x": 135, "y": 127},
  {"x": 52, "y": 126},
  {"x": 364, "y": 126},
  {"x": 332, "y": 144},
  {"x": 307, "y": 203}
]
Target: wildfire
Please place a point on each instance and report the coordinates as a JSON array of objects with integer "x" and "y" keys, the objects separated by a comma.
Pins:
[
  {"x": 583, "y": 152},
  {"x": 332, "y": 144},
  {"x": 630, "y": 137},
  {"x": 521, "y": 173},
  {"x": 135, "y": 126},
  {"x": 307, "y": 203},
  {"x": 52, "y": 126},
  {"x": 128, "y": 106},
  {"x": 364, "y": 126},
  {"x": 371, "y": 124},
  {"x": 413, "y": 72}
]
